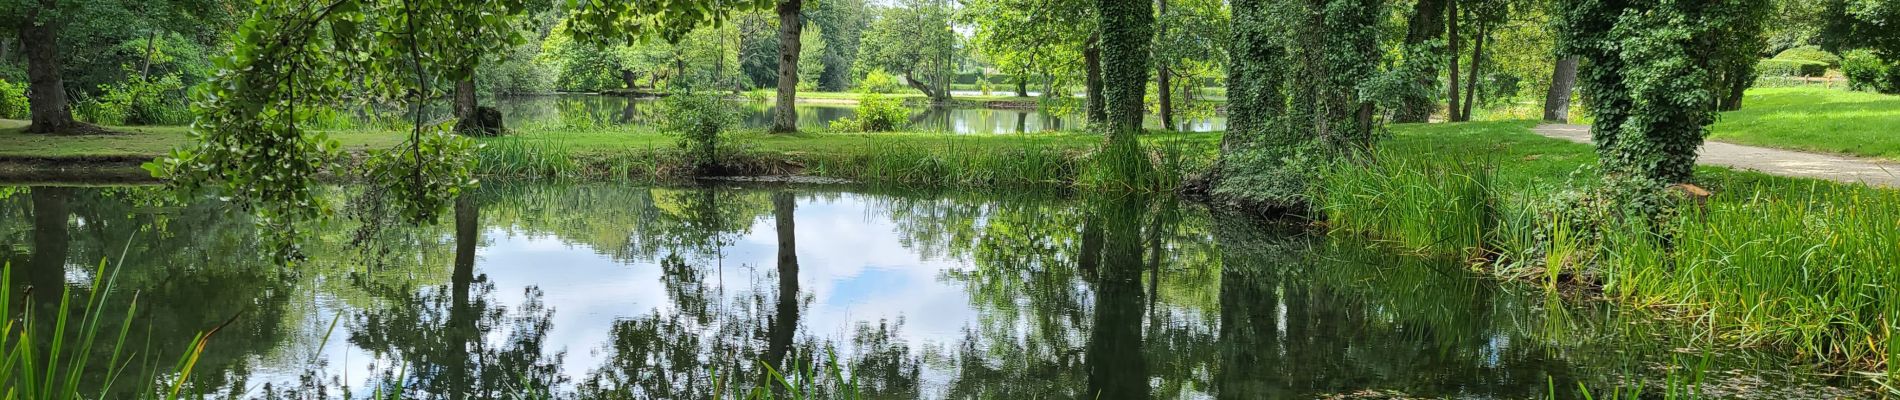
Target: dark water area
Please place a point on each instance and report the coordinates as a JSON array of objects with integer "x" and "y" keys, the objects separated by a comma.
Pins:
[
  {"x": 592, "y": 110},
  {"x": 614, "y": 291}
]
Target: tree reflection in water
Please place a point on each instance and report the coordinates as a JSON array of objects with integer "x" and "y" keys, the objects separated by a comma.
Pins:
[{"x": 1103, "y": 297}]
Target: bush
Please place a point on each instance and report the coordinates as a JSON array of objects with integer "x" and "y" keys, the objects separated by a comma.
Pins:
[
  {"x": 12, "y": 100},
  {"x": 1785, "y": 68},
  {"x": 876, "y": 113},
  {"x": 878, "y": 81},
  {"x": 698, "y": 119},
  {"x": 1866, "y": 71},
  {"x": 1810, "y": 53},
  {"x": 139, "y": 101}
]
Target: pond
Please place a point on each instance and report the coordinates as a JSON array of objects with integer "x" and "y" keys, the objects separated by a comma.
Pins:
[
  {"x": 592, "y": 110},
  {"x": 614, "y": 291}
]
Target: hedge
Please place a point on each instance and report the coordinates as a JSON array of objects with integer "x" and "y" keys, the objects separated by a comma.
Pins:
[{"x": 1782, "y": 68}]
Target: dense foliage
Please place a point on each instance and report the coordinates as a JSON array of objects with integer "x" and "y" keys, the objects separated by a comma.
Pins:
[
  {"x": 914, "y": 41},
  {"x": 1299, "y": 101},
  {"x": 1653, "y": 83},
  {"x": 254, "y": 145}
]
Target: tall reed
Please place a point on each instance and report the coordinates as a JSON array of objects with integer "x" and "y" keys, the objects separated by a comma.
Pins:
[{"x": 54, "y": 357}]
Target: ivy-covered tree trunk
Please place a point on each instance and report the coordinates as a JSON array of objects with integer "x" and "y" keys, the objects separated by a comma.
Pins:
[
  {"x": 1651, "y": 84},
  {"x": 1427, "y": 23},
  {"x": 1735, "y": 57},
  {"x": 1351, "y": 56},
  {"x": 1563, "y": 79},
  {"x": 785, "y": 112},
  {"x": 1255, "y": 169},
  {"x": 1164, "y": 97},
  {"x": 1126, "y": 31},
  {"x": 46, "y": 88},
  {"x": 1451, "y": 40},
  {"x": 1092, "y": 83},
  {"x": 1127, "y": 27}
]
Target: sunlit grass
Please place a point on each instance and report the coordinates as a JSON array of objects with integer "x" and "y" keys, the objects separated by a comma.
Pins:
[
  {"x": 1815, "y": 119},
  {"x": 1798, "y": 264}
]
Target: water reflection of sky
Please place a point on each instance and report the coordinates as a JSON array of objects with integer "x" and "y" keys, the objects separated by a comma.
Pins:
[{"x": 852, "y": 267}]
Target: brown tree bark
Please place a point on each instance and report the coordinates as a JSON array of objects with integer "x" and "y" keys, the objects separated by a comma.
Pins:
[
  {"x": 1451, "y": 35},
  {"x": 911, "y": 80},
  {"x": 465, "y": 101},
  {"x": 151, "y": 45},
  {"x": 1562, "y": 79},
  {"x": 46, "y": 89},
  {"x": 785, "y": 113},
  {"x": 1477, "y": 61},
  {"x": 1092, "y": 64}
]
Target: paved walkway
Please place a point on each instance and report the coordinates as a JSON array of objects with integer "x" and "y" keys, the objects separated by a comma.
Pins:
[{"x": 1770, "y": 161}]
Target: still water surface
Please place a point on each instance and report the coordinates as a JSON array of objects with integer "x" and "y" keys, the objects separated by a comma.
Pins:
[
  {"x": 613, "y": 291},
  {"x": 590, "y": 110}
]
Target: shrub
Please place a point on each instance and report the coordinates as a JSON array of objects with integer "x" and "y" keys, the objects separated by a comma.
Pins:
[
  {"x": 1866, "y": 71},
  {"x": 12, "y": 100},
  {"x": 876, "y": 113},
  {"x": 1785, "y": 68},
  {"x": 878, "y": 81},
  {"x": 698, "y": 119},
  {"x": 1810, "y": 53},
  {"x": 139, "y": 101}
]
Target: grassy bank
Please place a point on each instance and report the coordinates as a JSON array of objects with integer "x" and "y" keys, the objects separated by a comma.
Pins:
[
  {"x": 1815, "y": 119},
  {"x": 1792, "y": 263},
  {"x": 615, "y": 153}
]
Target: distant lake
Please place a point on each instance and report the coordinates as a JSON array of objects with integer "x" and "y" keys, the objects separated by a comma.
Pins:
[{"x": 573, "y": 110}]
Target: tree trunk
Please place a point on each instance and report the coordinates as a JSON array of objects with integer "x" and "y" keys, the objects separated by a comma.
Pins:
[
  {"x": 785, "y": 114},
  {"x": 1092, "y": 86},
  {"x": 46, "y": 269},
  {"x": 46, "y": 89},
  {"x": 1114, "y": 356},
  {"x": 465, "y": 101},
  {"x": 1127, "y": 29},
  {"x": 784, "y": 321},
  {"x": 910, "y": 79},
  {"x": 1562, "y": 79},
  {"x": 1162, "y": 92},
  {"x": 151, "y": 44},
  {"x": 1735, "y": 81},
  {"x": 462, "y": 313},
  {"x": 1477, "y": 60},
  {"x": 1451, "y": 35},
  {"x": 1427, "y": 23},
  {"x": 1022, "y": 87}
]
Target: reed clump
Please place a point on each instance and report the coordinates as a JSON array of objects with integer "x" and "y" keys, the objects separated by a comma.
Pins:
[{"x": 1796, "y": 264}]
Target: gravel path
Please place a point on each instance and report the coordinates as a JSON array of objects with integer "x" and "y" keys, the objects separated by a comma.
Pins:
[{"x": 1770, "y": 161}]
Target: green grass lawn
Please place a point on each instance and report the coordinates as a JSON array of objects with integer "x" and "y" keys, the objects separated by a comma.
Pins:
[
  {"x": 136, "y": 141},
  {"x": 1815, "y": 119}
]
